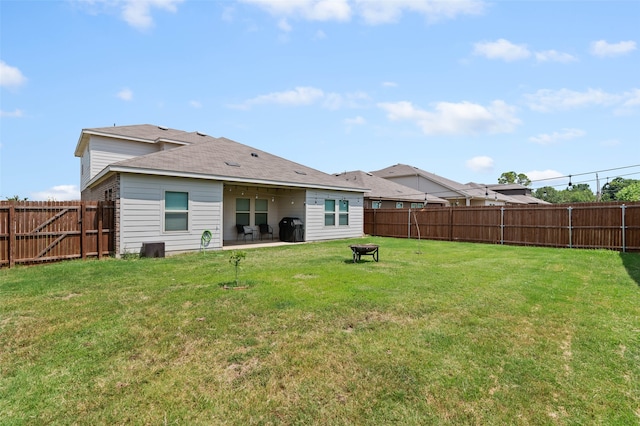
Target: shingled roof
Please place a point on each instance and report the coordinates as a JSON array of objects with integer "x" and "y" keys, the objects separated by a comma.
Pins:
[
  {"x": 207, "y": 157},
  {"x": 384, "y": 189}
]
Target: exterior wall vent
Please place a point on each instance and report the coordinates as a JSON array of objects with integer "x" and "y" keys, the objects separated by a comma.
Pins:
[
  {"x": 253, "y": 154},
  {"x": 232, "y": 164},
  {"x": 300, "y": 172}
]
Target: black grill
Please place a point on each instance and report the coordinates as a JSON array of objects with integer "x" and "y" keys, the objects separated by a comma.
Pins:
[{"x": 291, "y": 230}]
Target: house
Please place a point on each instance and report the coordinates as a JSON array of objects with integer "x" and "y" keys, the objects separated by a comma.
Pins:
[
  {"x": 457, "y": 194},
  {"x": 170, "y": 186},
  {"x": 386, "y": 194},
  {"x": 516, "y": 191}
]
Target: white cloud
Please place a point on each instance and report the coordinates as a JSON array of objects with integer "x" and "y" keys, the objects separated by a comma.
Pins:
[
  {"x": 359, "y": 121},
  {"x": 136, "y": 13},
  {"x": 125, "y": 94},
  {"x": 554, "y": 56},
  {"x": 302, "y": 96},
  {"x": 296, "y": 97},
  {"x": 57, "y": 193},
  {"x": 382, "y": 12},
  {"x": 284, "y": 25},
  {"x": 462, "y": 118},
  {"x": 16, "y": 113},
  {"x": 481, "y": 164},
  {"x": 11, "y": 77},
  {"x": 501, "y": 49},
  {"x": 389, "y": 84},
  {"x": 546, "y": 100},
  {"x": 373, "y": 12},
  {"x": 319, "y": 35},
  {"x": 632, "y": 99},
  {"x": 195, "y": 104},
  {"x": 603, "y": 49},
  {"x": 312, "y": 10},
  {"x": 335, "y": 101},
  {"x": 564, "y": 135},
  {"x": 355, "y": 121}
]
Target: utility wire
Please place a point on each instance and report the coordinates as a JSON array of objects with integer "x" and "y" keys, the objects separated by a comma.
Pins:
[{"x": 586, "y": 173}]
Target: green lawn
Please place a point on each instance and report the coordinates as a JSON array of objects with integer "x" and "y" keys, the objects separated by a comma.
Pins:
[{"x": 434, "y": 333}]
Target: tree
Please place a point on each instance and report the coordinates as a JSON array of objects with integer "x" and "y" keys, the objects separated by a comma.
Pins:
[
  {"x": 17, "y": 198},
  {"x": 629, "y": 192},
  {"x": 234, "y": 259},
  {"x": 513, "y": 177},
  {"x": 548, "y": 194},
  {"x": 578, "y": 193},
  {"x": 611, "y": 189}
]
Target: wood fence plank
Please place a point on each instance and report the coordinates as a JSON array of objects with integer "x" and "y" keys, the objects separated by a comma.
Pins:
[{"x": 50, "y": 231}]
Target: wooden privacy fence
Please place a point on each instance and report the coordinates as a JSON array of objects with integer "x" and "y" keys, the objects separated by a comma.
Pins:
[
  {"x": 613, "y": 226},
  {"x": 33, "y": 232}
]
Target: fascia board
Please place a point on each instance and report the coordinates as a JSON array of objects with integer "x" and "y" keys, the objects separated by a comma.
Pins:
[{"x": 154, "y": 172}]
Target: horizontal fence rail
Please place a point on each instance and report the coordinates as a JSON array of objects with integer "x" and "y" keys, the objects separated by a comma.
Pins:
[
  {"x": 34, "y": 232},
  {"x": 613, "y": 226}
]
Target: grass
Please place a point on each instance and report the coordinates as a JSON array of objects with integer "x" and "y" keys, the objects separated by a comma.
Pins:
[{"x": 434, "y": 333}]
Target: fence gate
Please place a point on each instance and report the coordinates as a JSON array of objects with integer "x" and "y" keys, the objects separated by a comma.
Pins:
[{"x": 34, "y": 232}]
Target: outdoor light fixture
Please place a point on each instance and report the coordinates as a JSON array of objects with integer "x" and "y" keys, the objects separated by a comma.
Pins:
[{"x": 570, "y": 184}]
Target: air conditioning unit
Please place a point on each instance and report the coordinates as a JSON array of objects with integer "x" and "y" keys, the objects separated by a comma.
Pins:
[{"x": 152, "y": 250}]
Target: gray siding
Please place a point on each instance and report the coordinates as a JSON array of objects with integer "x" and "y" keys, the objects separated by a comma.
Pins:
[
  {"x": 142, "y": 212},
  {"x": 105, "y": 151},
  {"x": 315, "y": 229}
]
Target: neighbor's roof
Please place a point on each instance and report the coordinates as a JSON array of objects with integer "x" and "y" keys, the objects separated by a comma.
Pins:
[
  {"x": 470, "y": 190},
  {"x": 384, "y": 189},
  {"x": 207, "y": 157}
]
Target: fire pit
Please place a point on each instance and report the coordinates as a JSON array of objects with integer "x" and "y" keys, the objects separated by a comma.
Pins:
[{"x": 364, "y": 250}]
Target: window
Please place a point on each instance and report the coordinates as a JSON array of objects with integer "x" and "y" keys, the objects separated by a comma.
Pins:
[
  {"x": 261, "y": 211},
  {"x": 329, "y": 212},
  {"x": 243, "y": 206},
  {"x": 176, "y": 211},
  {"x": 343, "y": 219},
  {"x": 399, "y": 204},
  {"x": 376, "y": 204},
  {"x": 417, "y": 205}
]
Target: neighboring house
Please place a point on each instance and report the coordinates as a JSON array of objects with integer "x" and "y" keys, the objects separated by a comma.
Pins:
[
  {"x": 457, "y": 194},
  {"x": 170, "y": 186},
  {"x": 386, "y": 194},
  {"x": 517, "y": 191}
]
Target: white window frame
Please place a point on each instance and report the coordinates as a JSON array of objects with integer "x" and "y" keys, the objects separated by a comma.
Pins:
[{"x": 165, "y": 211}]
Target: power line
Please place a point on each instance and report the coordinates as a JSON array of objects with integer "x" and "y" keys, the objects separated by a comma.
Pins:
[
  {"x": 586, "y": 173},
  {"x": 585, "y": 181}
]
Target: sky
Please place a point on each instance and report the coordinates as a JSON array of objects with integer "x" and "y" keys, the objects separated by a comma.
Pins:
[{"x": 466, "y": 89}]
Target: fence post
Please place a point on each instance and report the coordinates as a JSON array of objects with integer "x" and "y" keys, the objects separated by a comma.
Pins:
[
  {"x": 623, "y": 229},
  {"x": 570, "y": 239},
  {"x": 502, "y": 225},
  {"x": 409, "y": 224},
  {"x": 12, "y": 235},
  {"x": 99, "y": 213},
  {"x": 83, "y": 231}
]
